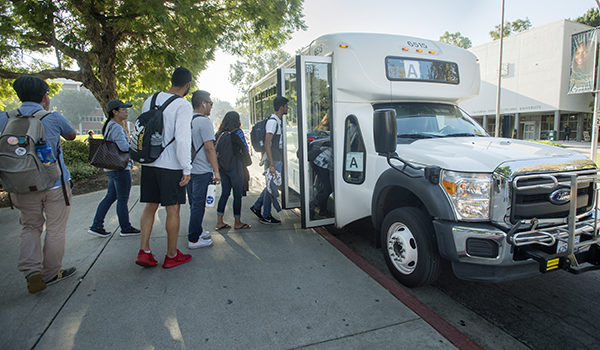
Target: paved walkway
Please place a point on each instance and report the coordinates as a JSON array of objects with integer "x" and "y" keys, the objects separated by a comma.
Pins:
[
  {"x": 269, "y": 287},
  {"x": 581, "y": 147}
]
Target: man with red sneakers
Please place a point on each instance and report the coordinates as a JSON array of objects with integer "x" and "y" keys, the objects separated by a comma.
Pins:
[{"x": 163, "y": 181}]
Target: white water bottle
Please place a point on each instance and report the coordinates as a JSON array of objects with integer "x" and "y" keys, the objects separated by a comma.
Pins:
[{"x": 210, "y": 195}]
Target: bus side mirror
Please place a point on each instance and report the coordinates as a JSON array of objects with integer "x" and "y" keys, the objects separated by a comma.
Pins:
[{"x": 384, "y": 130}]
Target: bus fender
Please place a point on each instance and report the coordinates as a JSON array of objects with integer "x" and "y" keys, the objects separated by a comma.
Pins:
[{"x": 395, "y": 189}]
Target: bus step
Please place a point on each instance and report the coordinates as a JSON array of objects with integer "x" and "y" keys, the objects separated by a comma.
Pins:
[{"x": 548, "y": 262}]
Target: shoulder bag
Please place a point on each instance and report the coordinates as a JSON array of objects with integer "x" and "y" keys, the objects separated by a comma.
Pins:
[{"x": 106, "y": 154}]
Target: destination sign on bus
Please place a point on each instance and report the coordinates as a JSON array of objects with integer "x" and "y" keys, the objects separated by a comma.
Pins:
[{"x": 404, "y": 68}]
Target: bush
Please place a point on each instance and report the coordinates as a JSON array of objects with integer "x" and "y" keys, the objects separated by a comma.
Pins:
[
  {"x": 75, "y": 154},
  {"x": 547, "y": 142}
]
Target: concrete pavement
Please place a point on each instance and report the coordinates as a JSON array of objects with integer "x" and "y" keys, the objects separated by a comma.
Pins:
[{"x": 268, "y": 287}]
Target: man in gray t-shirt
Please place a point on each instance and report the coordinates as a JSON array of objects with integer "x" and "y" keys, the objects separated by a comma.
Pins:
[
  {"x": 202, "y": 131},
  {"x": 204, "y": 168}
]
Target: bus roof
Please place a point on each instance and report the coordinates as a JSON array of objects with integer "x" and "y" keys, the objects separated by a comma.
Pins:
[{"x": 374, "y": 67}]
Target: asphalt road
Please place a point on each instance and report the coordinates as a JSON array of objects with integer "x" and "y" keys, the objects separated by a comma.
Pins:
[{"x": 553, "y": 311}]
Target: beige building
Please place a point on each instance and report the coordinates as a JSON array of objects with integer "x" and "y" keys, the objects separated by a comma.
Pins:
[{"x": 535, "y": 80}]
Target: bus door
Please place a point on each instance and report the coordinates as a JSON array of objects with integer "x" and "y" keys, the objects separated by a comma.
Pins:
[
  {"x": 290, "y": 187},
  {"x": 314, "y": 86}
]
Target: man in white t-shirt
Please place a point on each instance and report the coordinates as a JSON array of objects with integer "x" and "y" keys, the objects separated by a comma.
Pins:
[
  {"x": 204, "y": 168},
  {"x": 274, "y": 151},
  {"x": 163, "y": 181}
]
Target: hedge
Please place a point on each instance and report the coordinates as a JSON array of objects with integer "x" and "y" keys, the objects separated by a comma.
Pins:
[{"x": 75, "y": 154}]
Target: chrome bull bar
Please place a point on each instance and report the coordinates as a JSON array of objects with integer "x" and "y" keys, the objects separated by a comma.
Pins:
[{"x": 548, "y": 232}]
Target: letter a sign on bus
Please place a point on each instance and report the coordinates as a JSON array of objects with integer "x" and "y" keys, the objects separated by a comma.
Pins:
[
  {"x": 354, "y": 161},
  {"x": 412, "y": 69}
]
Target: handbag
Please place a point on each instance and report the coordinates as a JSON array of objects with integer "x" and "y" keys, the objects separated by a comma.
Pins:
[{"x": 104, "y": 154}]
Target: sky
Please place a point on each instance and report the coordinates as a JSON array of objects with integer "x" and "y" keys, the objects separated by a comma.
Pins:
[{"x": 427, "y": 19}]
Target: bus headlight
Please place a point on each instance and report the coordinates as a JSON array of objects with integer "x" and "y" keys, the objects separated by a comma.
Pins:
[{"x": 469, "y": 193}]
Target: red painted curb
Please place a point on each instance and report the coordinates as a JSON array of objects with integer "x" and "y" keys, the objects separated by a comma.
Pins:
[{"x": 450, "y": 332}]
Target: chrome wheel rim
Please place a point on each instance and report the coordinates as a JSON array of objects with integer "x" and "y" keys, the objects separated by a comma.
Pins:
[{"x": 402, "y": 248}]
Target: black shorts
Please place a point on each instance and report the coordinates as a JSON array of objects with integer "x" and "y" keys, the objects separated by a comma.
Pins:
[{"x": 160, "y": 185}]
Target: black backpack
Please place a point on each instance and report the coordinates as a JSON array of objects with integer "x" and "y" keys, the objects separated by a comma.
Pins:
[
  {"x": 258, "y": 133},
  {"x": 145, "y": 145},
  {"x": 225, "y": 156}
]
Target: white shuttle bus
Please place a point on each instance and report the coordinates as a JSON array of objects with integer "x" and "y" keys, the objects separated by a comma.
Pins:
[{"x": 374, "y": 130}]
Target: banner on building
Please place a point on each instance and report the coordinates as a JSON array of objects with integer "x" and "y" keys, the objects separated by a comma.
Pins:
[{"x": 583, "y": 62}]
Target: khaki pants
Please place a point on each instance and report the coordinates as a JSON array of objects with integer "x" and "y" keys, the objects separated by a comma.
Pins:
[{"x": 33, "y": 206}]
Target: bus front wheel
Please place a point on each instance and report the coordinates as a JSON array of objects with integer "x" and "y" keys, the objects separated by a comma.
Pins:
[{"x": 409, "y": 247}]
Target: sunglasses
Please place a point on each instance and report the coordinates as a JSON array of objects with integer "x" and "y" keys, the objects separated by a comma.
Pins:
[{"x": 209, "y": 102}]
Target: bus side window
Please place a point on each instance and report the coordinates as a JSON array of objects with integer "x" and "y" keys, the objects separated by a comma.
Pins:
[{"x": 354, "y": 152}]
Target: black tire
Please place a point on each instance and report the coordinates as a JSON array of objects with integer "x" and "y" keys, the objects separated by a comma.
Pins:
[{"x": 409, "y": 247}]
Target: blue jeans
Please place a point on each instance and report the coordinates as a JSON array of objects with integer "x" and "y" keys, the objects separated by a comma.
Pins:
[
  {"x": 119, "y": 186},
  {"x": 232, "y": 179},
  {"x": 265, "y": 198},
  {"x": 197, "y": 195}
]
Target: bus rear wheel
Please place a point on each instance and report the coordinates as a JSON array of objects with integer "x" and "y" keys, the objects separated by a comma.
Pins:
[{"x": 409, "y": 247}]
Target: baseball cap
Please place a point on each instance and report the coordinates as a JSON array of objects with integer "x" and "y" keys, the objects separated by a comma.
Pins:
[{"x": 114, "y": 104}]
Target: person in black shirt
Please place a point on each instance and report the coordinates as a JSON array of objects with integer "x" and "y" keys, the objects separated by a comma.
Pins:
[{"x": 234, "y": 178}]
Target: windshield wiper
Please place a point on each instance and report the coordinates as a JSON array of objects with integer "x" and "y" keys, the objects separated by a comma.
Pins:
[
  {"x": 416, "y": 136},
  {"x": 461, "y": 134}
]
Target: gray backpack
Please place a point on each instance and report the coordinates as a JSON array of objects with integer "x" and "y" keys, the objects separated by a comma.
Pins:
[{"x": 21, "y": 170}]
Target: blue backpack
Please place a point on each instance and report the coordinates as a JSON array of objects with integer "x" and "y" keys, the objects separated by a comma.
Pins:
[{"x": 258, "y": 133}]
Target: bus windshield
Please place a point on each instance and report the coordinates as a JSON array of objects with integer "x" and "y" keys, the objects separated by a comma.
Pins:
[{"x": 428, "y": 120}]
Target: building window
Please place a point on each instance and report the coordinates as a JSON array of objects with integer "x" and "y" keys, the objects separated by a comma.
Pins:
[
  {"x": 93, "y": 119},
  {"x": 354, "y": 152},
  {"x": 571, "y": 121},
  {"x": 546, "y": 125}
]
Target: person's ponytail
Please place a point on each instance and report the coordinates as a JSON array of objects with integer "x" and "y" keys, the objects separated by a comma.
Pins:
[{"x": 108, "y": 119}]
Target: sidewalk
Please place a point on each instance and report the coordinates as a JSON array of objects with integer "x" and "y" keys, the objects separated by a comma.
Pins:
[
  {"x": 581, "y": 147},
  {"x": 269, "y": 287}
]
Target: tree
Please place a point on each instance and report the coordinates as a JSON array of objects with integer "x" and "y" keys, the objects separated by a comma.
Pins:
[
  {"x": 456, "y": 39},
  {"x": 74, "y": 104},
  {"x": 591, "y": 18},
  {"x": 218, "y": 111},
  {"x": 245, "y": 73},
  {"x": 124, "y": 48},
  {"x": 511, "y": 27}
]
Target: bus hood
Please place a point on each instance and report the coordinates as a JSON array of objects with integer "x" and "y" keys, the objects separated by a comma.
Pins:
[{"x": 479, "y": 154}]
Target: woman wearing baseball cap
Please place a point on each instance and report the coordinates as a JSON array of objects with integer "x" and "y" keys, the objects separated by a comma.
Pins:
[{"x": 119, "y": 181}]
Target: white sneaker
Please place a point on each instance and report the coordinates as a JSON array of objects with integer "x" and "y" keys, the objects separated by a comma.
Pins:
[
  {"x": 205, "y": 235},
  {"x": 201, "y": 243}
]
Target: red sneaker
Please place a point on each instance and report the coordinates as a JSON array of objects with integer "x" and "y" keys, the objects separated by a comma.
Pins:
[
  {"x": 176, "y": 260},
  {"x": 146, "y": 259}
]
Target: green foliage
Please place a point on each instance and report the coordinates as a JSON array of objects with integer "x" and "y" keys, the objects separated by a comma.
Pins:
[
  {"x": 124, "y": 48},
  {"x": 456, "y": 39},
  {"x": 511, "y": 27},
  {"x": 245, "y": 73},
  {"x": 218, "y": 111},
  {"x": 75, "y": 154},
  {"x": 591, "y": 18},
  {"x": 81, "y": 171},
  {"x": 547, "y": 142},
  {"x": 9, "y": 104}
]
